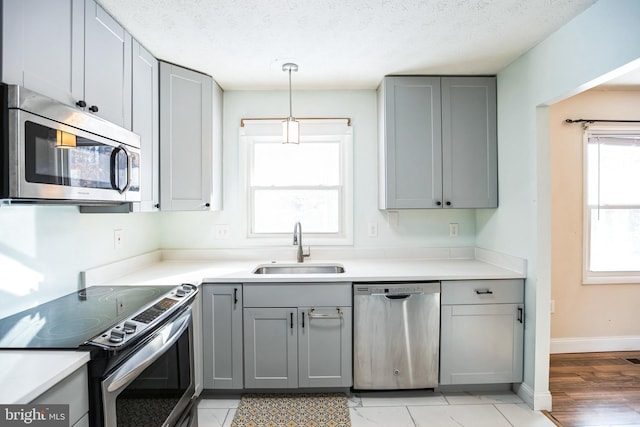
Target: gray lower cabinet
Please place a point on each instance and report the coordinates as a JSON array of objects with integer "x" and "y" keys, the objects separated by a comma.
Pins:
[
  {"x": 482, "y": 332},
  {"x": 438, "y": 142},
  {"x": 271, "y": 347},
  {"x": 324, "y": 347},
  {"x": 222, "y": 336},
  {"x": 72, "y": 391},
  {"x": 297, "y": 347},
  {"x": 297, "y": 335}
]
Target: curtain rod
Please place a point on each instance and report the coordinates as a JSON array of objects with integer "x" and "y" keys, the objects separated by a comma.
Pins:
[
  {"x": 299, "y": 118},
  {"x": 600, "y": 120}
]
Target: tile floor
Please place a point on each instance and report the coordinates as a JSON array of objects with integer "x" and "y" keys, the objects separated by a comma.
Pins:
[{"x": 410, "y": 409}]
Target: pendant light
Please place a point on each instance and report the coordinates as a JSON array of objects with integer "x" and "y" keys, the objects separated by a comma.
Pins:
[{"x": 290, "y": 126}]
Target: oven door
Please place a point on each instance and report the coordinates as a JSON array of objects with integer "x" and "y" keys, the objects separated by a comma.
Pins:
[
  {"x": 155, "y": 385},
  {"x": 51, "y": 160}
]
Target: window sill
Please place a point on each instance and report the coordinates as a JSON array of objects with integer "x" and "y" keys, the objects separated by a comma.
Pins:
[{"x": 610, "y": 279}]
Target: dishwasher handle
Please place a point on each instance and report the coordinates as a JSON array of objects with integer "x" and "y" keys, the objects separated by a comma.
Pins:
[{"x": 399, "y": 296}]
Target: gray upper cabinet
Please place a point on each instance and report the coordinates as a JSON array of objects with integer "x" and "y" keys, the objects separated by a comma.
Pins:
[
  {"x": 186, "y": 131},
  {"x": 146, "y": 123},
  {"x": 469, "y": 142},
  {"x": 411, "y": 147},
  {"x": 438, "y": 146},
  {"x": 107, "y": 66},
  {"x": 222, "y": 336},
  {"x": 44, "y": 51},
  {"x": 71, "y": 51}
]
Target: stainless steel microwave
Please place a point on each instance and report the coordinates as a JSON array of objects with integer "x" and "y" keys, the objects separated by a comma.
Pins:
[{"x": 54, "y": 153}]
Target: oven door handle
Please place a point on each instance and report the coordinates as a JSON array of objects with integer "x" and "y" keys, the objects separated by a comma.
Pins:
[{"x": 149, "y": 353}]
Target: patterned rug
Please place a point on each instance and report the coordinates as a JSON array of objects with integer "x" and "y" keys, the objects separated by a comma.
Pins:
[{"x": 292, "y": 410}]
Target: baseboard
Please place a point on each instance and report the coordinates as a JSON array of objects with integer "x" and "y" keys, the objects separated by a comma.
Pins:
[
  {"x": 595, "y": 344},
  {"x": 537, "y": 401}
]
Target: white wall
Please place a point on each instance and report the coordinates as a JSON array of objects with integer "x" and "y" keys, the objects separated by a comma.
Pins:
[
  {"x": 417, "y": 228},
  {"x": 594, "y": 47},
  {"x": 44, "y": 248}
]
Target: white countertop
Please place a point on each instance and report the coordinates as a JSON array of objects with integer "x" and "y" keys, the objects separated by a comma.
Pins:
[
  {"x": 26, "y": 374},
  {"x": 155, "y": 268}
]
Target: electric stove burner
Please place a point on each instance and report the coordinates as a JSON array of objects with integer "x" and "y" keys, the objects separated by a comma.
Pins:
[
  {"x": 95, "y": 291},
  {"x": 71, "y": 328}
]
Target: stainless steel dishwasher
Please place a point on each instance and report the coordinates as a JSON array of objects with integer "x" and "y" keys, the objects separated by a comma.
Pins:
[{"x": 396, "y": 335}]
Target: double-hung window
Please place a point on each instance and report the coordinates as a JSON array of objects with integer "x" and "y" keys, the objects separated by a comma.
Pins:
[
  {"x": 612, "y": 205},
  {"x": 310, "y": 182}
]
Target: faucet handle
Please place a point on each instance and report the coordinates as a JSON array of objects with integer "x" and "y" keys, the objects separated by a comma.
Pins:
[{"x": 308, "y": 254}]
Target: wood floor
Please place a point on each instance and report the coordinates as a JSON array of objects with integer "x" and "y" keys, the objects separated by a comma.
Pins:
[{"x": 596, "y": 389}]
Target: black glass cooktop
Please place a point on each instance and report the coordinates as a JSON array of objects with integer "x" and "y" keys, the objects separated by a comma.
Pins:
[{"x": 69, "y": 321}]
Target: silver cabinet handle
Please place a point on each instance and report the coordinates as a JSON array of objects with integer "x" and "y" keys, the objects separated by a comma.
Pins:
[{"x": 314, "y": 315}]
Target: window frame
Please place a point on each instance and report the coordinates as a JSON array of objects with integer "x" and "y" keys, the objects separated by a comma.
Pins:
[
  {"x": 601, "y": 277},
  {"x": 270, "y": 131}
]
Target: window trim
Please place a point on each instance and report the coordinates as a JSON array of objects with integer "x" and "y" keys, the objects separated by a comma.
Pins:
[
  {"x": 600, "y": 277},
  {"x": 268, "y": 131}
]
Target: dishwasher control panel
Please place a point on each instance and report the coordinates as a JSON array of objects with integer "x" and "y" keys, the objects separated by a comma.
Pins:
[{"x": 396, "y": 288}]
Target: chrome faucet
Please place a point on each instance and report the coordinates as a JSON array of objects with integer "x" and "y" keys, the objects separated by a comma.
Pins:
[{"x": 297, "y": 240}]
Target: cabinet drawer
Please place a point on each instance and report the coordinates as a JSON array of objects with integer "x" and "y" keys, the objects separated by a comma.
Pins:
[
  {"x": 73, "y": 391},
  {"x": 297, "y": 294},
  {"x": 482, "y": 292}
]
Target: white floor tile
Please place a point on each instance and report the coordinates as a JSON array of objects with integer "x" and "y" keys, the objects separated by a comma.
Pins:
[
  {"x": 380, "y": 417},
  {"x": 354, "y": 400},
  {"x": 458, "y": 416},
  {"x": 521, "y": 415},
  {"x": 402, "y": 398},
  {"x": 229, "y": 420},
  {"x": 476, "y": 398},
  {"x": 218, "y": 403},
  {"x": 211, "y": 417}
]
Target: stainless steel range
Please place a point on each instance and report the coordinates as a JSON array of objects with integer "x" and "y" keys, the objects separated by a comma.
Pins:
[{"x": 141, "y": 344}]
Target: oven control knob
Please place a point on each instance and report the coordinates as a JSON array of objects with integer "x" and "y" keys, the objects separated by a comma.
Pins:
[
  {"x": 180, "y": 293},
  {"x": 186, "y": 287},
  {"x": 116, "y": 336},
  {"x": 129, "y": 327}
]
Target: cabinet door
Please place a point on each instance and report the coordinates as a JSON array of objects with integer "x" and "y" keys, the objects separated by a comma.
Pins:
[
  {"x": 481, "y": 344},
  {"x": 270, "y": 348},
  {"x": 324, "y": 347},
  {"x": 44, "y": 51},
  {"x": 411, "y": 158},
  {"x": 222, "y": 336},
  {"x": 185, "y": 139},
  {"x": 145, "y": 122},
  {"x": 469, "y": 142},
  {"x": 107, "y": 66}
]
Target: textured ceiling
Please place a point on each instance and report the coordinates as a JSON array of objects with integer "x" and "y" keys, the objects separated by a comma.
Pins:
[{"x": 339, "y": 44}]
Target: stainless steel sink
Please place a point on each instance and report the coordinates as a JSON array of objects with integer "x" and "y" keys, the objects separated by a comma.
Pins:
[{"x": 299, "y": 269}]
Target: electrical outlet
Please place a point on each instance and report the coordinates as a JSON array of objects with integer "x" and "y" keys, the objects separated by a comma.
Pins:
[
  {"x": 223, "y": 231},
  {"x": 453, "y": 229},
  {"x": 372, "y": 229},
  {"x": 118, "y": 238}
]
